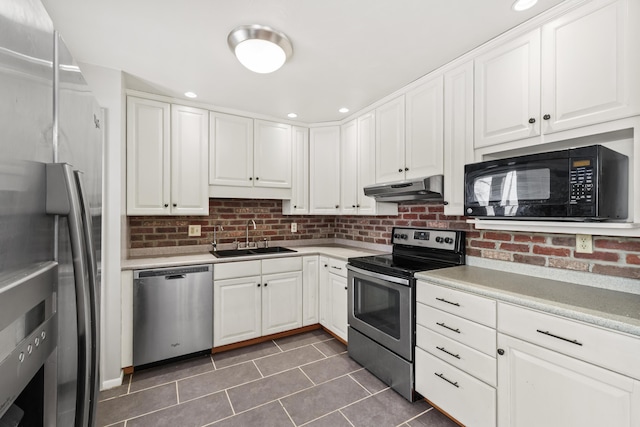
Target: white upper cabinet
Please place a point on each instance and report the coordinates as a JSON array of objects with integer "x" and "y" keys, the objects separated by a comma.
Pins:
[
  {"x": 189, "y": 166},
  {"x": 165, "y": 147},
  {"x": 299, "y": 203},
  {"x": 249, "y": 153},
  {"x": 231, "y": 150},
  {"x": 589, "y": 67},
  {"x": 390, "y": 141},
  {"x": 424, "y": 129},
  {"x": 272, "y": 155},
  {"x": 349, "y": 167},
  {"x": 324, "y": 167},
  {"x": 458, "y": 134},
  {"x": 507, "y": 91}
]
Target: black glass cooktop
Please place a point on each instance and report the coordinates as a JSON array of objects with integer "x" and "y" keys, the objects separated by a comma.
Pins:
[{"x": 397, "y": 265}]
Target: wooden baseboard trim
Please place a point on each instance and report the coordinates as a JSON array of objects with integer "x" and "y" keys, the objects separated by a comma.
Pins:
[
  {"x": 127, "y": 370},
  {"x": 436, "y": 407},
  {"x": 258, "y": 340},
  {"x": 334, "y": 335}
]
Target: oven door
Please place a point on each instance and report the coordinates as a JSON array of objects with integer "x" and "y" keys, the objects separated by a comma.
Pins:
[{"x": 381, "y": 308}]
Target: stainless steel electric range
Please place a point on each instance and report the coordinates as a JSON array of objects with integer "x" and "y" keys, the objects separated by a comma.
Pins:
[{"x": 382, "y": 301}]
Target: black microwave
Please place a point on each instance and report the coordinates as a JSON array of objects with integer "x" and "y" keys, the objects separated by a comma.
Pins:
[{"x": 586, "y": 183}]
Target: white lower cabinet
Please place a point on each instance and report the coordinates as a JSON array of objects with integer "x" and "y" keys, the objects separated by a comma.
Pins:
[
  {"x": 256, "y": 298},
  {"x": 310, "y": 284},
  {"x": 541, "y": 387},
  {"x": 580, "y": 375},
  {"x": 333, "y": 296}
]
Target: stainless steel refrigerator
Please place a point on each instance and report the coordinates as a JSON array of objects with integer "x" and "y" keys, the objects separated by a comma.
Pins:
[{"x": 50, "y": 225}]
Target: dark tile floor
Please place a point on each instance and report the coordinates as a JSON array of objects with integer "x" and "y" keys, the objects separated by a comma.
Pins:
[{"x": 307, "y": 379}]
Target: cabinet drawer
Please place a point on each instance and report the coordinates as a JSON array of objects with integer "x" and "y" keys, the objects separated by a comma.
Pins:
[
  {"x": 602, "y": 347},
  {"x": 462, "y": 357},
  {"x": 465, "y": 398},
  {"x": 281, "y": 265},
  {"x": 337, "y": 266},
  {"x": 229, "y": 270},
  {"x": 458, "y": 329},
  {"x": 472, "y": 307}
]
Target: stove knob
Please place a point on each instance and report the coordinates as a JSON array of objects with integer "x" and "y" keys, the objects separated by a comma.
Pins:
[
  {"x": 404, "y": 236},
  {"x": 396, "y": 236},
  {"x": 439, "y": 239},
  {"x": 448, "y": 240}
]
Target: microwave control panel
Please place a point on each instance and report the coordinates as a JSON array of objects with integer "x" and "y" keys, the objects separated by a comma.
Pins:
[{"x": 582, "y": 181}]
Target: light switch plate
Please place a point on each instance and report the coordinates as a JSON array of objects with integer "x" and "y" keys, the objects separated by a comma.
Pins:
[{"x": 194, "y": 231}]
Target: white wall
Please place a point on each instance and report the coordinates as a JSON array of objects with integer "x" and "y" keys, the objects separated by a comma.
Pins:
[{"x": 108, "y": 87}]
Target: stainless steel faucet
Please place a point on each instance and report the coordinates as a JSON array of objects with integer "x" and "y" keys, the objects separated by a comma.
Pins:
[
  {"x": 215, "y": 242},
  {"x": 247, "y": 232}
]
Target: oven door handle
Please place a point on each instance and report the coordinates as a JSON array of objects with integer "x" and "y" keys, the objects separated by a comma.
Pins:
[{"x": 384, "y": 277}]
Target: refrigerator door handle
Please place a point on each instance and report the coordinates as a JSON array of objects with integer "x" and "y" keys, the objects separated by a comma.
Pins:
[
  {"x": 94, "y": 297},
  {"x": 63, "y": 198}
]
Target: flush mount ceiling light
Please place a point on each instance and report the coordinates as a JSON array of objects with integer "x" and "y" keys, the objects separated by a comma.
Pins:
[
  {"x": 190, "y": 95},
  {"x": 343, "y": 110},
  {"x": 261, "y": 49},
  {"x": 520, "y": 5}
]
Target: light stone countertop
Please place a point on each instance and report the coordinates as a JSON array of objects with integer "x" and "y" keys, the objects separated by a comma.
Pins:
[
  {"x": 610, "y": 309},
  {"x": 334, "y": 251}
]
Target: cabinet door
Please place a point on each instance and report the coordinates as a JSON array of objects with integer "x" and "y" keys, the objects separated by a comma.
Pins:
[
  {"x": 540, "y": 387},
  {"x": 589, "y": 67},
  {"x": 148, "y": 157},
  {"x": 323, "y": 291},
  {"x": 189, "y": 167},
  {"x": 324, "y": 165},
  {"x": 390, "y": 141},
  {"x": 236, "y": 310},
  {"x": 272, "y": 155},
  {"x": 281, "y": 302},
  {"x": 458, "y": 134},
  {"x": 230, "y": 150},
  {"x": 338, "y": 305},
  {"x": 299, "y": 203},
  {"x": 349, "y": 167},
  {"x": 424, "y": 129},
  {"x": 310, "y": 286},
  {"x": 366, "y": 163},
  {"x": 507, "y": 91}
]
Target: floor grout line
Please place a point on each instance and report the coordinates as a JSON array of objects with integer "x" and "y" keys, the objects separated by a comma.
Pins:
[
  {"x": 417, "y": 416},
  {"x": 305, "y": 374},
  {"x": 259, "y": 371},
  {"x": 226, "y": 392},
  {"x": 346, "y": 418},
  {"x": 287, "y": 412}
]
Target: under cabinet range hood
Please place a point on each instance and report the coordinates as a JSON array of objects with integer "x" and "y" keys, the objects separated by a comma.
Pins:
[{"x": 427, "y": 188}]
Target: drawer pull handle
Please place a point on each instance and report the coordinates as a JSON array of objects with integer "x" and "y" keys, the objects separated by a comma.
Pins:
[
  {"x": 448, "y": 302},
  {"x": 457, "y": 331},
  {"x": 457, "y": 356},
  {"x": 441, "y": 376},
  {"x": 337, "y": 268},
  {"x": 576, "y": 342}
]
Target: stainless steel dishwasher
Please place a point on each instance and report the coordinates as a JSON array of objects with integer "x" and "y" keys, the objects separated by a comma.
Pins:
[{"x": 172, "y": 312}]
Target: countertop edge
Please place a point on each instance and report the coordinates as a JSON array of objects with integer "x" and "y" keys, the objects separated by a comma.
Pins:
[{"x": 607, "y": 320}]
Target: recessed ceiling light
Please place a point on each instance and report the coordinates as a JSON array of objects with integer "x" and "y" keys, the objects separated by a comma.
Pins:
[
  {"x": 259, "y": 48},
  {"x": 190, "y": 95},
  {"x": 343, "y": 110},
  {"x": 292, "y": 115},
  {"x": 520, "y": 5}
]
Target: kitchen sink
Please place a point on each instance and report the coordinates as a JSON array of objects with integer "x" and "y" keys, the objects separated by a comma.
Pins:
[{"x": 248, "y": 252}]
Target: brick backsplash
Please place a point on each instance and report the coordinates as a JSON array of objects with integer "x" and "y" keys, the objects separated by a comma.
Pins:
[{"x": 613, "y": 256}]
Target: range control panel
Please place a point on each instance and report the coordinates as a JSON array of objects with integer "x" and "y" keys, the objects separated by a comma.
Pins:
[{"x": 425, "y": 238}]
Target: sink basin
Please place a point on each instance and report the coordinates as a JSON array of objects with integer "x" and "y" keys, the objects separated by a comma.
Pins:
[{"x": 249, "y": 252}]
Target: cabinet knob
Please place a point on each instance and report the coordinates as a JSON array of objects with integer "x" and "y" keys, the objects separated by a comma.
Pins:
[
  {"x": 166, "y": 205},
  {"x": 265, "y": 285},
  {"x": 295, "y": 206},
  {"x": 345, "y": 288},
  {"x": 400, "y": 170},
  {"x": 259, "y": 285},
  {"x": 500, "y": 351},
  {"x": 532, "y": 120},
  {"x": 257, "y": 178},
  {"x": 337, "y": 206},
  {"x": 546, "y": 116},
  {"x": 406, "y": 169},
  {"x": 326, "y": 265},
  {"x": 250, "y": 178},
  {"x": 357, "y": 206},
  {"x": 175, "y": 205},
  {"x": 353, "y": 206}
]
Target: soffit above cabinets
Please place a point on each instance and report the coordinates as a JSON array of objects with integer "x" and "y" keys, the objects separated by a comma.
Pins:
[{"x": 344, "y": 53}]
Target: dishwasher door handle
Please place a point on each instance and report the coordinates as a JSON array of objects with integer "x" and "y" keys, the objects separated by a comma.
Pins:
[{"x": 175, "y": 276}]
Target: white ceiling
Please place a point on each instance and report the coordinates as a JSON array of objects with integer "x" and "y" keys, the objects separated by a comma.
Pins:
[{"x": 345, "y": 52}]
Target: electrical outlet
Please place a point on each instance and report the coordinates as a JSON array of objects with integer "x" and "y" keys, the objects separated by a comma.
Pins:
[
  {"x": 194, "y": 231},
  {"x": 294, "y": 227},
  {"x": 584, "y": 243}
]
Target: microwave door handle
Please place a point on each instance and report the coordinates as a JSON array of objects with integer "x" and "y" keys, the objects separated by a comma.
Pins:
[{"x": 63, "y": 199}]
